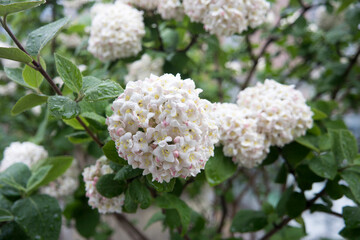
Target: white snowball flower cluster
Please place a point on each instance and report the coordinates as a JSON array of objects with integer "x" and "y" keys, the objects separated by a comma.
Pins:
[
  {"x": 65, "y": 185},
  {"x": 116, "y": 31},
  {"x": 239, "y": 135},
  {"x": 143, "y": 68},
  {"x": 281, "y": 111},
  {"x": 144, "y": 4},
  {"x": 96, "y": 200},
  {"x": 162, "y": 126},
  {"x": 171, "y": 9},
  {"x": 70, "y": 40},
  {"x": 227, "y": 17},
  {"x": 26, "y": 152}
]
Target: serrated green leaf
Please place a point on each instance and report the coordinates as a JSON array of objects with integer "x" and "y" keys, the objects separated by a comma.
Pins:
[
  {"x": 75, "y": 123},
  {"x": 169, "y": 201},
  {"x": 69, "y": 73},
  {"x": 94, "y": 116},
  {"x": 344, "y": 145},
  {"x": 103, "y": 90},
  {"x": 318, "y": 115},
  {"x": 59, "y": 166},
  {"x": 130, "y": 206},
  {"x": 248, "y": 221},
  {"x": 14, "y": 179},
  {"x": 38, "y": 38},
  {"x": 37, "y": 178},
  {"x": 6, "y": 9},
  {"x": 15, "y": 54},
  {"x": 159, "y": 216},
  {"x": 308, "y": 141},
  {"x": 108, "y": 187},
  {"x": 63, "y": 107},
  {"x": 219, "y": 168},
  {"x": 351, "y": 217},
  {"x": 140, "y": 194},
  {"x": 352, "y": 178},
  {"x": 161, "y": 187},
  {"x": 324, "y": 165},
  {"x": 28, "y": 102},
  {"x": 39, "y": 216}
]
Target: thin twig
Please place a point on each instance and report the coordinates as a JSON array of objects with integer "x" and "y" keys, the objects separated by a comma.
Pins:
[
  {"x": 192, "y": 42},
  {"x": 40, "y": 69},
  {"x": 224, "y": 213}
]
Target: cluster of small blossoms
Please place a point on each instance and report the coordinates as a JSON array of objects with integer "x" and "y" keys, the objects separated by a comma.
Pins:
[
  {"x": 281, "y": 111},
  {"x": 144, "y": 4},
  {"x": 171, "y": 9},
  {"x": 65, "y": 185},
  {"x": 116, "y": 31},
  {"x": 238, "y": 130},
  {"x": 91, "y": 175},
  {"x": 162, "y": 126},
  {"x": 227, "y": 17},
  {"x": 143, "y": 68},
  {"x": 8, "y": 89},
  {"x": 26, "y": 152}
]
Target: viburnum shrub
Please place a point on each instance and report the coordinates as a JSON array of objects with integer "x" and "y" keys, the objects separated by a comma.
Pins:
[{"x": 216, "y": 118}]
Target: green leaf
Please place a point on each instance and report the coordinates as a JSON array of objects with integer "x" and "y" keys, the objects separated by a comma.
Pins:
[
  {"x": 15, "y": 54},
  {"x": 6, "y": 9},
  {"x": 248, "y": 221},
  {"x": 59, "y": 166},
  {"x": 169, "y": 201},
  {"x": 33, "y": 77},
  {"x": 324, "y": 165},
  {"x": 104, "y": 90},
  {"x": 69, "y": 73},
  {"x": 282, "y": 204},
  {"x": 86, "y": 220},
  {"x": 334, "y": 189},
  {"x": 94, "y": 116},
  {"x": 108, "y": 187},
  {"x": 288, "y": 232},
  {"x": 140, "y": 194},
  {"x": 127, "y": 172},
  {"x": 318, "y": 115},
  {"x": 28, "y": 102},
  {"x": 14, "y": 179},
  {"x": 130, "y": 205},
  {"x": 161, "y": 187},
  {"x": 75, "y": 123},
  {"x": 350, "y": 233},
  {"x": 15, "y": 74},
  {"x": 63, "y": 107},
  {"x": 219, "y": 168},
  {"x": 79, "y": 137},
  {"x": 5, "y": 215},
  {"x": 351, "y": 217},
  {"x": 344, "y": 5},
  {"x": 308, "y": 141},
  {"x": 37, "y": 178},
  {"x": 39, "y": 216},
  {"x": 111, "y": 153},
  {"x": 296, "y": 204},
  {"x": 294, "y": 153},
  {"x": 38, "y": 38},
  {"x": 353, "y": 179},
  {"x": 344, "y": 145},
  {"x": 159, "y": 216}
]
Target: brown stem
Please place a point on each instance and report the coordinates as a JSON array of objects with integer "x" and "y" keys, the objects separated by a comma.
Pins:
[
  {"x": 344, "y": 77},
  {"x": 224, "y": 213},
  {"x": 130, "y": 229},
  {"x": 39, "y": 68},
  {"x": 192, "y": 42}
]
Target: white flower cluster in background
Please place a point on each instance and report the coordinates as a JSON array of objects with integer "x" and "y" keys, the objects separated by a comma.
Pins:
[
  {"x": 144, "y": 4},
  {"x": 70, "y": 40},
  {"x": 8, "y": 89},
  {"x": 143, "y": 68},
  {"x": 171, "y": 9},
  {"x": 281, "y": 110},
  {"x": 116, "y": 31},
  {"x": 238, "y": 129},
  {"x": 162, "y": 126},
  {"x": 26, "y": 152},
  {"x": 227, "y": 17},
  {"x": 64, "y": 185},
  {"x": 91, "y": 175}
]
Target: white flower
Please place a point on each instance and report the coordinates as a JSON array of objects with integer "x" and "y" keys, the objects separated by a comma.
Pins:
[
  {"x": 144, "y": 4},
  {"x": 116, "y": 31},
  {"x": 143, "y": 68},
  {"x": 8, "y": 89},
  {"x": 280, "y": 109},
  {"x": 65, "y": 185},
  {"x": 239, "y": 135},
  {"x": 162, "y": 126},
  {"x": 171, "y": 9},
  {"x": 26, "y": 152},
  {"x": 91, "y": 175},
  {"x": 70, "y": 40},
  {"x": 227, "y": 17}
]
